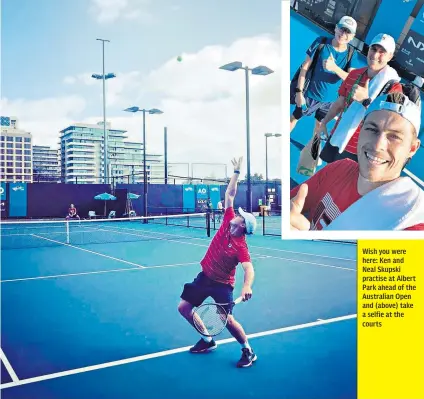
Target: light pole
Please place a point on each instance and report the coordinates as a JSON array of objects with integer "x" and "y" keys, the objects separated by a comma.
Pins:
[
  {"x": 259, "y": 70},
  {"x": 104, "y": 77},
  {"x": 151, "y": 112},
  {"x": 266, "y": 161}
]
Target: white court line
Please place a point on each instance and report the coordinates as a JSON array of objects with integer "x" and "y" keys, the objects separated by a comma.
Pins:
[
  {"x": 303, "y": 253},
  {"x": 169, "y": 352},
  {"x": 250, "y": 246},
  {"x": 8, "y": 366},
  {"x": 87, "y": 250},
  {"x": 69, "y": 275},
  {"x": 162, "y": 266},
  {"x": 310, "y": 263},
  {"x": 96, "y": 272}
]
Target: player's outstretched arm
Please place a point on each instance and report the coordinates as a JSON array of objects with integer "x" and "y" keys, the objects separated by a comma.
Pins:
[
  {"x": 249, "y": 275},
  {"x": 232, "y": 186}
]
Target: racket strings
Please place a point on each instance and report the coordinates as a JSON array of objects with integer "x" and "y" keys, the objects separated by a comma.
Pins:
[{"x": 210, "y": 319}]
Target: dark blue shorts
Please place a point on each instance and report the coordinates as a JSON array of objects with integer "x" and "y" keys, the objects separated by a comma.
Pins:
[{"x": 203, "y": 287}]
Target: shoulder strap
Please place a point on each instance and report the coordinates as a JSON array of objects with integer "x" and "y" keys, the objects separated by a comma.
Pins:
[
  {"x": 316, "y": 54},
  {"x": 351, "y": 51}
]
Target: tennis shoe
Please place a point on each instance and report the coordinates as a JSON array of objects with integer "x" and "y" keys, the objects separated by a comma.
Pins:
[
  {"x": 247, "y": 358},
  {"x": 203, "y": 347}
]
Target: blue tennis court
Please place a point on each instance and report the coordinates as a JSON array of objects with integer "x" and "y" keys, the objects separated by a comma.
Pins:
[{"x": 95, "y": 315}]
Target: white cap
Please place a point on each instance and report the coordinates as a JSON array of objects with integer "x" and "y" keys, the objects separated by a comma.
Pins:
[
  {"x": 348, "y": 23},
  {"x": 249, "y": 221},
  {"x": 385, "y": 41},
  {"x": 408, "y": 110}
]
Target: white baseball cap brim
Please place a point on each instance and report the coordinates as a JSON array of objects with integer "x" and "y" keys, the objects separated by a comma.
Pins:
[
  {"x": 409, "y": 110},
  {"x": 249, "y": 221},
  {"x": 385, "y": 41}
]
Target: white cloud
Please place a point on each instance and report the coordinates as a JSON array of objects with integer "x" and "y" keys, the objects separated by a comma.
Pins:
[
  {"x": 106, "y": 11},
  {"x": 46, "y": 117},
  {"x": 204, "y": 107}
]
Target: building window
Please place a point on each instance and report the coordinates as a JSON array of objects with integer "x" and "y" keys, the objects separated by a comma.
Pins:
[
  {"x": 18, "y": 164},
  {"x": 27, "y": 158},
  {"x": 27, "y": 140},
  {"x": 27, "y": 152},
  {"x": 27, "y": 145},
  {"x": 9, "y": 170},
  {"x": 18, "y": 139},
  {"x": 9, "y": 138},
  {"x": 18, "y": 152},
  {"x": 9, "y": 145},
  {"x": 9, "y": 157},
  {"x": 9, "y": 152},
  {"x": 18, "y": 158},
  {"x": 18, "y": 170}
]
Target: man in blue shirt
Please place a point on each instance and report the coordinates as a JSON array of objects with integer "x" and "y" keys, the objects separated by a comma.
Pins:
[{"x": 332, "y": 66}]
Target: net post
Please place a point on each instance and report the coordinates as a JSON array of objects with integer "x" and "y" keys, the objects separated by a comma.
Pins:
[
  {"x": 263, "y": 222},
  {"x": 208, "y": 224},
  {"x": 67, "y": 231}
]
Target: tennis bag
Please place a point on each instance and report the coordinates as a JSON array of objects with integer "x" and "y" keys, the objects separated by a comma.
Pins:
[
  {"x": 309, "y": 157},
  {"x": 309, "y": 74}
]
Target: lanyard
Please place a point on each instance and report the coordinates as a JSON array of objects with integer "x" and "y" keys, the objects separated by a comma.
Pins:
[{"x": 349, "y": 96}]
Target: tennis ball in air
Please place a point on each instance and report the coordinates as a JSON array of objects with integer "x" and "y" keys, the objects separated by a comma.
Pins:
[{"x": 179, "y": 58}]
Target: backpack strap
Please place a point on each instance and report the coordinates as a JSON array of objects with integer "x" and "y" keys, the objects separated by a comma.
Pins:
[
  {"x": 316, "y": 55},
  {"x": 349, "y": 57}
]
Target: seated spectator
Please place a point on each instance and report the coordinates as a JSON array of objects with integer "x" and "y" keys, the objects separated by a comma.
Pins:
[{"x": 72, "y": 213}]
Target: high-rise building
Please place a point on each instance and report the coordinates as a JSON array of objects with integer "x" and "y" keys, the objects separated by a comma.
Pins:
[
  {"x": 45, "y": 164},
  {"x": 15, "y": 152},
  {"x": 82, "y": 156}
]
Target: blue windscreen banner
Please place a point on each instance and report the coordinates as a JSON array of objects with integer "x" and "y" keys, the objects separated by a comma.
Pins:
[
  {"x": 189, "y": 198},
  {"x": 3, "y": 193},
  {"x": 411, "y": 53},
  {"x": 202, "y": 196},
  {"x": 3, "y": 201},
  {"x": 390, "y": 18},
  {"x": 215, "y": 194},
  {"x": 17, "y": 199}
]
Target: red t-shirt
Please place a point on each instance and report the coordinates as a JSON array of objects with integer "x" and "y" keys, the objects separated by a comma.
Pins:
[
  {"x": 225, "y": 252},
  {"x": 331, "y": 191},
  {"x": 344, "y": 91}
]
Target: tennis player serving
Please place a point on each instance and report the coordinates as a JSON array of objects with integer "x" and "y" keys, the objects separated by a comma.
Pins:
[{"x": 227, "y": 249}]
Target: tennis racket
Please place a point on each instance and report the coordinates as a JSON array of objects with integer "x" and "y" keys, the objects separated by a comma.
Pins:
[{"x": 210, "y": 319}]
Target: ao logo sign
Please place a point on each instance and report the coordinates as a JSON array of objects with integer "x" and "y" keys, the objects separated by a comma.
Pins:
[
  {"x": 201, "y": 191},
  {"x": 419, "y": 45}
]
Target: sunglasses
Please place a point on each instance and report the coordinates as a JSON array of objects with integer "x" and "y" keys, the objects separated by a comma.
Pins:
[{"x": 344, "y": 30}]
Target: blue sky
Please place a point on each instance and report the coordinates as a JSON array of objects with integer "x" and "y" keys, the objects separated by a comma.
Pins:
[{"x": 49, "y": 51}]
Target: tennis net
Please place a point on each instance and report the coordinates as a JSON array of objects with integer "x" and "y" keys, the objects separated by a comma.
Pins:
[{"x": 32, "y": 234}]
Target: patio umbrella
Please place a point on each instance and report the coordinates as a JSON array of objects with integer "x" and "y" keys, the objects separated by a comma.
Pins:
[
  {"x": 133, "y": 196},
  {"x": 105, "y": 197}
]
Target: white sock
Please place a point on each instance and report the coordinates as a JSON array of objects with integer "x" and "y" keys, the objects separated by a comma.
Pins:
[
  {"x": 207, "y": 339},
  {"x": 246, "y": 345}
]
